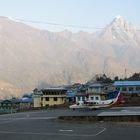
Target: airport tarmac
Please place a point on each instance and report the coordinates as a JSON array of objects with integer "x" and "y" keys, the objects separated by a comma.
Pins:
[
  {"x": 43, "y": 125},
  {"x": 121, "y": 111}
]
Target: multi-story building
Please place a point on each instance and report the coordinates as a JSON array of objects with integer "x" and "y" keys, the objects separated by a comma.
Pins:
[
  {"x": 50, "y": 97},
  {"x": 80, "y": 96},
  {"x": 128, "y": 87},
  {"x": 98, "y": 91},
  {"x": 130, "y": 90}
]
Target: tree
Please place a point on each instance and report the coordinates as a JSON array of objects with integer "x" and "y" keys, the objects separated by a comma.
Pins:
[
  {"x": 135, "y": 76},
  {"x": 102, "y": 78},
  {"x": 116, "y": 78},
  {"x": 35, "y": 90}
]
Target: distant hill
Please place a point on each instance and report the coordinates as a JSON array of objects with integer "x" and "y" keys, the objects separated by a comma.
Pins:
[
  {"x": 8, "y": 90},
  {"x": 30, "y": 57}
]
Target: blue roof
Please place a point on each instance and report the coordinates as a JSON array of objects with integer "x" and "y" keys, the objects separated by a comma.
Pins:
[
  {"x": 127, "y": 83},
  {"x": 70, "y": 95},
  {"x": 80, "y": 94},
  {"x": 27, "y": 100},
  {"x": 96, "y": 85}
]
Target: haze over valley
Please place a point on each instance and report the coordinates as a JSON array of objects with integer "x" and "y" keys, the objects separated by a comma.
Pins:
[{"x": 30, "y": 57}]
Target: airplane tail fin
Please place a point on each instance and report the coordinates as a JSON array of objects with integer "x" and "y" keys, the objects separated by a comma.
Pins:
[{"x": 119, "y": 99}]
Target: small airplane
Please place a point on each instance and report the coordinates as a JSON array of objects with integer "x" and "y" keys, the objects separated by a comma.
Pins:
[{"x": 90, "y": 104}]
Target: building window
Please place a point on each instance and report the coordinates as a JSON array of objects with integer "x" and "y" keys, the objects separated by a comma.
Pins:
[
  {"x": 47, "y": 98},
  {"x": 97, "y": 98},
  {"x": 91, "y": 98},
  {"x": 83, "y": 98},
  {"x": 78, "y": 98},
  {"x": 137, "y": 88},
  {"x": 124, "y": 89},
  {"x": 55, "y": 98},
  {"x": 117, "y": 88},
  {"x": 130, "y": 88}
]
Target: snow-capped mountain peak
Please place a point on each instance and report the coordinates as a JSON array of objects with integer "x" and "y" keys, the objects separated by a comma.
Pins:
[
  {"x": 13, "y": 19},
  {"x": 9, "y": 18},
  {"x": 118, "y": 17},
  {"x": 119, "y": 29},
  {"x": 29, "y": 55},
  {"x": 119, "y": 23}
]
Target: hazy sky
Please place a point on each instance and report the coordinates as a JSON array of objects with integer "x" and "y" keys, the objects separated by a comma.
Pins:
[{"x": 94, "y": 13}]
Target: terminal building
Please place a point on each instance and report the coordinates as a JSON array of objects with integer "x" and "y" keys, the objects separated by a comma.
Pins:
[
  {"x": 99, "y": 91},
  {"x": 128, "y": 87},
  {"x": 49, "y": 97},
  {"x": 130, "y": 90}
]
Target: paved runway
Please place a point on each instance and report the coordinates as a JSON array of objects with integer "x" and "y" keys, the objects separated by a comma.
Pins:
[
  {"x": 43, "y": 125},
  {"x": 121, "y": 111}
]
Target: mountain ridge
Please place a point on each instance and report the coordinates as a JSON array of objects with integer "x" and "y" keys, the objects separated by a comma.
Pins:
[{"x": 30, "y": 56}]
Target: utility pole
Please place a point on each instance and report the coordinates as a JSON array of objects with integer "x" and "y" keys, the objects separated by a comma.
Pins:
[{"x": 125, "y": 74}]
